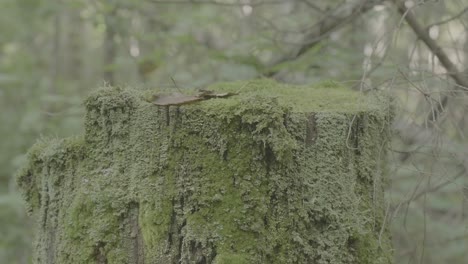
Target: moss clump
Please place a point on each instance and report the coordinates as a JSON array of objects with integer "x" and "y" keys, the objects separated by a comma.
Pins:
[
  {"x": 323, "y": 97},
  {"x": 276, "y": 174}
]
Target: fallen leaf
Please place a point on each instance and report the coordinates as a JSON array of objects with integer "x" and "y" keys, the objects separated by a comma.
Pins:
[
  {"x": 175, "y": 99},
  {"x": 181, "y": 99},
  {"x": 210, "y": 94}
]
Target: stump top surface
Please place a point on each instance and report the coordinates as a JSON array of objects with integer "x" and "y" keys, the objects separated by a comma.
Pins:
[{"x": 323, "y": 97}]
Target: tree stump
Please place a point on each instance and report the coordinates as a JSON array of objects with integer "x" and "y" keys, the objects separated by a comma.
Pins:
[{"x": 274, "y": 174}]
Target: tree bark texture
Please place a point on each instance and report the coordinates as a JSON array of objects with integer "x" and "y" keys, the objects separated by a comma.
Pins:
[{"x": 274, "y": 174}]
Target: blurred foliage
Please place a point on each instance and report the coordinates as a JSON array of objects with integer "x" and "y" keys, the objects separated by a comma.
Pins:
[
  {"x": 16, "y": 235},
  {"x": 52, "y": 53}
]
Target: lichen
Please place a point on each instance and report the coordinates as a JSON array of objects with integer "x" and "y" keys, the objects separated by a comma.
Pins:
[{"x": 276, "y": 174}]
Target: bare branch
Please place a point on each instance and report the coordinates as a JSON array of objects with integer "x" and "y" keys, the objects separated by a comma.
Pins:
[
  {"x": 412, "y": 133},
  {"x": 110, "y": 48},
  {"x": 312, "y": 5},
  {"x": 434, "y": 188},
  {"x": 325, "y": 27},
  {"x": 422, "y": 34},
  {"x": 465, "y": 10}
]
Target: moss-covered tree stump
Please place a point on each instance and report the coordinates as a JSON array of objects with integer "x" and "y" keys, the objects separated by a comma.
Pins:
[{"x": 274, "y": 174}]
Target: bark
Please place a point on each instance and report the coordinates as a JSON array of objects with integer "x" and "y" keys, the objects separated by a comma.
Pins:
[{"x": 275, "y": 174}]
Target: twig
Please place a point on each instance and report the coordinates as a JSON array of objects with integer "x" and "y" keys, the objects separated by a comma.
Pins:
[
  {"x": 323, "y": 29},
  {"x": 465, "y": 10},
  {"x": 433, "y": 46}
]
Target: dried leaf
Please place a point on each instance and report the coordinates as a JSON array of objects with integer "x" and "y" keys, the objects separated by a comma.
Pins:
[
  {"x": 203, "y": 92},
  {"x": 175, "y": 99},
  {"x": 207, "y": 94},
  {"x": 181, "y": 99},
  {"x": 224, "y": 95}
]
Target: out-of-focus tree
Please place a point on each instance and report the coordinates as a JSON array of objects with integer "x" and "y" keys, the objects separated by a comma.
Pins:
[{"x": 52, "y": 53}]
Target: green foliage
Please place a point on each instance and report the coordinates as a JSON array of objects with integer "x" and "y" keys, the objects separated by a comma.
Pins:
[{"x": 15, "y": 242}]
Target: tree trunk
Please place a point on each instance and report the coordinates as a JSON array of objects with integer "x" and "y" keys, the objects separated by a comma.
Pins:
[{"x": 274, "y": 174}]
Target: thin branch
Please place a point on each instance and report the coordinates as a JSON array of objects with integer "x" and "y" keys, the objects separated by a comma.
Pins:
[
  {"x": 110, "y": 49},
  {"x": 312, "y": 5},
  {"x": 56, "y": 52},
  {"x": 465, "y": 10},
  {"x": 325, "y": 14},
  {"x": 422, "y": 136},
  {"x": 433, "y": 46},
  {"x": 326, "y": 26}
]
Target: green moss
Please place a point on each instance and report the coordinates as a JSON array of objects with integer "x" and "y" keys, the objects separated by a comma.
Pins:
[
  {"x": 275, "y": 174},
  {"x": 326, "y": 97},
  {"x": 231, "y": 259}
]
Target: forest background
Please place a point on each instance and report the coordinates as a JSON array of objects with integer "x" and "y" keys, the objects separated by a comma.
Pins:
[{"x": 53, "y": 53}]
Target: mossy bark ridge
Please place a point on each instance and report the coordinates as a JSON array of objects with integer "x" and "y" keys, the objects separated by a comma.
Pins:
[{"x": 274, "y": 174}]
